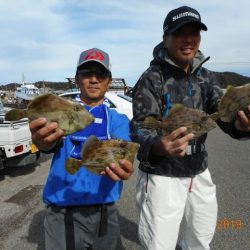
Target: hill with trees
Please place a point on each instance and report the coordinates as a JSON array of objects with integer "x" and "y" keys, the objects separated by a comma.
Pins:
[
  {"x": 231, "y": 78},
  {"x": 224, "y": 79}
]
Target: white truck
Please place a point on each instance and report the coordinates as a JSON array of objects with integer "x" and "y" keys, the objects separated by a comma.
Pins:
[{"x": 16, "y": 148}]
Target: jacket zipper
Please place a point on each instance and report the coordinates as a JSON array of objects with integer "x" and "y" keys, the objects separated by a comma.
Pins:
[{"x": 190, "y": 90}]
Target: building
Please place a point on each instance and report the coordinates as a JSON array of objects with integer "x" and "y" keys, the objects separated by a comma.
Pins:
[{"x": 118, "y": 84}]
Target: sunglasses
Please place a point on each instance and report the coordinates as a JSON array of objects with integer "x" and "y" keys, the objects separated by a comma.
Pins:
[{"x": 102, "y": 74}]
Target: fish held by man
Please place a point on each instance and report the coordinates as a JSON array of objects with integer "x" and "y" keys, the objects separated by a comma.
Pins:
[
  {"x": 196, "y": 121},
  {"x": 70, "y": 116},
  {"x": 97, "y": 154},
  {"x": 234, "y": 100}
]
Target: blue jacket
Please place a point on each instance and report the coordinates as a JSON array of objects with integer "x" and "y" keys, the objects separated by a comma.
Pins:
[{"x": 84, "y": 187}]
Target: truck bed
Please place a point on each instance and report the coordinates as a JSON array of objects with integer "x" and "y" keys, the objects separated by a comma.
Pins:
[{"x": 15, "y": 140}]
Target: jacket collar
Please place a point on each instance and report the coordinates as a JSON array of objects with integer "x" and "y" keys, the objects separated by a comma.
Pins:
[{"x": 161, "y": 57}]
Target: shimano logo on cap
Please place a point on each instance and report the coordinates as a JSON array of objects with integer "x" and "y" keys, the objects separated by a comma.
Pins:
[{"x": 185, "y": 14}]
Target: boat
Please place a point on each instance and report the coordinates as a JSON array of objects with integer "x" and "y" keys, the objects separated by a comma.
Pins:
[{"x": 27, "y": 91}]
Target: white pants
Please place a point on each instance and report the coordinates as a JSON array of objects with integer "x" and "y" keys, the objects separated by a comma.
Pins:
[{"x": 164, "y": 201}]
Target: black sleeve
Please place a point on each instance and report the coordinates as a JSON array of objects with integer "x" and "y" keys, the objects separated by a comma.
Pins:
[{"x": 146, "y": 102}]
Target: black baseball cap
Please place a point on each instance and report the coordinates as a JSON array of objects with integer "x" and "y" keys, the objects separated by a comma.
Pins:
[{"x": 180, "y": 16}]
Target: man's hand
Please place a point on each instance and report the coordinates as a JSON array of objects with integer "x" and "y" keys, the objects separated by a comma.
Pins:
[
  {"x": 242, "y": 122},
  {"x": 174, "y": 144},
  {"x": 45, "y": 135},
  {"x": 122, "y": 172}
]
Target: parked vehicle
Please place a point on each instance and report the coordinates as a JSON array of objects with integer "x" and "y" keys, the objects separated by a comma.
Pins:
[
  {"x": 16, "y": 148},
  {"x": 117, "y": 100}
]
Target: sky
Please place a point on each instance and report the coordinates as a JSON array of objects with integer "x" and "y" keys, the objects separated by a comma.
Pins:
[{"x": 43, "y": 39}]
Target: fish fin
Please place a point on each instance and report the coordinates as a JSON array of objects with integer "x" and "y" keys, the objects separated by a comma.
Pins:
[
  {"x": 215, "y": 116},
  {"x": 16, "y": 114},
  {"x": 150, "y": 122},
  {"x": 176, "y": 106},
  {"x": 73, "y": 165},
  {"x": 225, "y": 118},
  {"x": 131, "y": 151},
  {"x": 90, "y": 143},
  {"x": 229, "y": 87},
  {"x": 94, "y": 169}
]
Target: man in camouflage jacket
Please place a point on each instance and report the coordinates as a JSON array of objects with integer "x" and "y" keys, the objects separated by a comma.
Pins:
[{"x": 173, "y": 179}]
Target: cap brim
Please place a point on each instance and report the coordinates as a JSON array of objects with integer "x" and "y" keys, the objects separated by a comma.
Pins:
[
  {"x": 200, "y": 24},
  {"x": 93, "y": 60}
]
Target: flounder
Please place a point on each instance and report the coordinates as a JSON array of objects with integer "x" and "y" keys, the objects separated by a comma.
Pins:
[
  {"x": 234, "y": 100},
  {"x": 196, "y": 121},
  {"x": 70, "y": 116},
  {"x": 97, "y": 155}
]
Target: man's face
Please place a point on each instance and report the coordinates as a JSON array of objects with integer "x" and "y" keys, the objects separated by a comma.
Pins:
[
  {"x": 183, "y": 44},
  {"x": 93, "y": 80}
]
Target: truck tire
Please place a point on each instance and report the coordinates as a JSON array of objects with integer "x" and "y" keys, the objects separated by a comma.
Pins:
[{"x": 1, "y": 164}]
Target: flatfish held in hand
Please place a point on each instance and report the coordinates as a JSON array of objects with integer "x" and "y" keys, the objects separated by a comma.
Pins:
[
  {"x": 70, "y": 116},
  {"x": 97, "y": 155},
  {"x": 196, "y": 121},
  {"x": 234, "y": 100}
]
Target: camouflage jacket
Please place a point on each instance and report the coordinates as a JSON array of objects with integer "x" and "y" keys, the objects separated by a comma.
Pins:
[{"x": 159, "y": 87}]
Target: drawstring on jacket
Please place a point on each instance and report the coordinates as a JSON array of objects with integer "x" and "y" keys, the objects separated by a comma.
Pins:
[{"x": 190, "y": 185}]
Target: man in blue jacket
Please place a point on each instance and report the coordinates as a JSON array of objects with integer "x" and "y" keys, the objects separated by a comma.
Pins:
[{"x": 81, "y": 212}]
